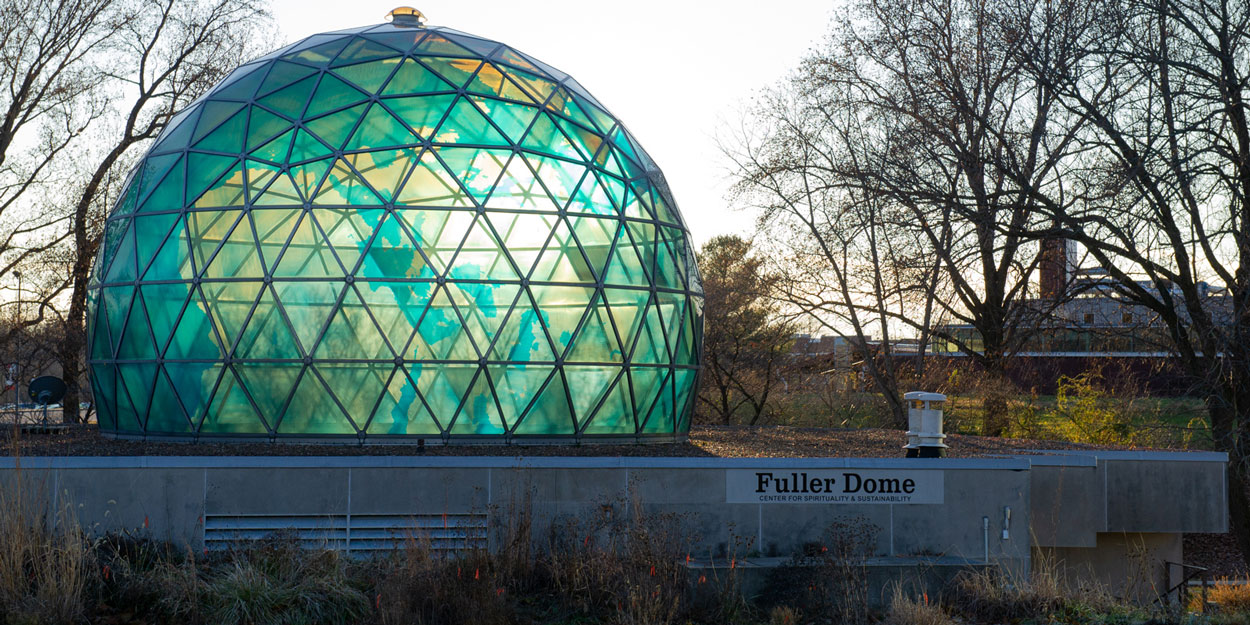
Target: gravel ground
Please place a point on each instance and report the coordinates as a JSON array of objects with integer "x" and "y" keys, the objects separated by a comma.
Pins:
[
  {"x": 706, "y": 441},
  {"x": 1218, "y": 552}
]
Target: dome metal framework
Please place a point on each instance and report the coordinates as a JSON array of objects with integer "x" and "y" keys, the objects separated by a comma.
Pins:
[{"x": 395, "y": 232}]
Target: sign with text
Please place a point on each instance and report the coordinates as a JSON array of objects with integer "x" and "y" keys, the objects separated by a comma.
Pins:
[{"x": 846, "y": 486}]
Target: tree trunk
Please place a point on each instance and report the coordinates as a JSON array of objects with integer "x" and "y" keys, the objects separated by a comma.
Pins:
[{"x": 73, "y": 349}]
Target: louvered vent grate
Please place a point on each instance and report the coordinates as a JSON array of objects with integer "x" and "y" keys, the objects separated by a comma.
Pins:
[{"x": 353, "y": 533}]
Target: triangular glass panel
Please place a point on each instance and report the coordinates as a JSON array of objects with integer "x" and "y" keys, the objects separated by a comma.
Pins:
[
  {"x": 650, "y": 347},
  {"x": 212, "y": 114},
  {"x": 513, "y": 119},
  {"x": 226, "y": 191},
  {"x": 384, "y": 170},
  {"x": 101, "y": 342},
  {"x": 645, "y": 382},
  {"x": 413, "y": 77},
  {"x": 361, "y": 49},
  {"x": 587, "y": 386},
  {"x": 466, "y": 125},
  {"x": 511, "y": 57},
  {"x": 422, "y": 113},
  {"x": 392, "y": 254},
  {"x": 168, "y": 195},
  {"x": 308, "y": 175},
  {"x": 455, "y": 71},
  {"x": 550, "y": 413},
  {"x": 308, "y": 305},
  {"x": 332, "y": 93},
  {"x": 229, "y": 304},
  {"x": 357, "y": 386},
  {"x": 587, "y": 142},
  {"x": 283, "y": 73},
  {"x": 273, "y": 227},
  {"x": 194, "y": 338},
  {"x": 482, "y": 257},
  {"x": 402, "y": 40},
  {"x": 313, "y": 411},
  {"x": 238, "y": 256},
  {"x": 281, "y": 192},
  {"x": 661, "y": 417},
  {"x": 128, "y": 202},
  {"x": 380, "y": 129},
  {"x": 228, "y": 137},
  {"x": 563, "y": 308},
  {"x": 123, "y": 268},
  {"x": 138, "y": 380},
  {"x": 208, "y": 229},
  {"x": 538, "y": 88},
  {"x": 177, "y": 132},
  {"x": 683, "y": 389},
  {"x": 672, "y": 310},
  {"x": 443, "y": 387},
  {"x": 522, "y": 339},
  {"x": 524, "y": 235},
  {"x": 615, "y": 414},
  {"x": 137, "y": 341},
  {"x": 595, "y": 237},
  {"x": 114, "y": 231},
  {"x": 348, "y": 231},
  {"x": 368, "y": 76},
  {"x": 267, "y": 334},
  {"x": 438, "y": 233},
  {"x": 343, "y": 186},
  {"x": 479, "y": 412},
  {"x": 667, "y": 268},
  {"x": 319, "y": 54},
  {"x": 596, "y": 341},
  {"x": 164, "y": 304},
  {"x": 263, "y": 127},
  {"x": 430, "y": 184},
  {"x": 443, "y": 332},
  {"x": 308, "y": 255},
  {"x": 490, "y": 81},
  {"x": 518, "y": 188},
  {"x": 643, "y": 236},
  {"x": 544, "y": 136},
  {"x": 591, "y": 197},
  {"x": 153, "y": 171},
  {"x": 562, "y": 259},
  {"x": 291, "y": 100},
  {"x": 352, "y": 333},
  {"x": 332, "y": 129},
  {"x": 397, "y": 307},
  {"x": 104, "y": 392},
  {"x": 276, "y": 150},
  {"x": 402, "y": 411},
  {"x": 230, "y": 411},
  {"x": 204, "y": 171},
  {"x": 129, "y": 417},
  {"x": 627, "y": 307},
  {"x": 477, "y": 169},
  {"x": 517, "y": 386},
  {"x": 116, "y": 300},
  {"x": 484, "y": 308},
  {"x": 166, "y": 414},
  {"x": 193, "y": 383},
  {"x": 308, "y": 146},
  {"x": 559, "y": 177},
  {"x": 625, "y": 267},
  {"x": 269, "y": 384},
  {"x": 438, "y": 44}
]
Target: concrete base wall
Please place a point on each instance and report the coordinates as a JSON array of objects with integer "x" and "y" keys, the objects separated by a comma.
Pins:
[{"x": 1128, "y": 565}]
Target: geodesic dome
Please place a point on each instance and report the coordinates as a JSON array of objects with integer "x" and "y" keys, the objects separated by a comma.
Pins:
[{"x": 395, "y": 232}]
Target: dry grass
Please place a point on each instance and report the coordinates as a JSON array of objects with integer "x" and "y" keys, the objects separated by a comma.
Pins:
[{"x": 908, "y": 610}]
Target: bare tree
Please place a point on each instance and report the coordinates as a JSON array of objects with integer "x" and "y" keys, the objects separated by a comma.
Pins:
[
  {"x": 745, "y": 338},
  {"x": 896, "y": 120},
  {"x": 1157, "y": 93}
]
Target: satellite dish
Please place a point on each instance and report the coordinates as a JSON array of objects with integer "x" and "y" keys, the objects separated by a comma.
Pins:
[{"x": 46, "y": 390}]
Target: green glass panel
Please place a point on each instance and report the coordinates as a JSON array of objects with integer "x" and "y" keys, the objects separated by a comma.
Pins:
[
  {"x": 176, "y": 134},
  {"x": 562, "y": 259},
  {"x": 645, "y": 382},
  {"x": 467, "y": 125},
  {"x": 363, "y": 50},
  {"x": 625, "y": 267},
  {"x": 116, "y": 305},
  {"x": 586, "y": 142},
  {"x": 259, "y": 175},
  {"x": 442, "y": 333},
  {"x": 401, "y": 41},
  {"x": 332, "y": 129},
  {"x": 666, "y": 267},
  {"x": 683, "y": 389},
  {"x": 273, "y": 227},
  {"x": 489, "y": 80},
  {"x": 230, "y": 411},
  {"x": 123, "y": 267},
  {"x": 281, "y": 74},
  {"x": 549, "y": 414},
  {"x": 482, "y": 257},
  {"x": 309, "y": 175},
  {"x": 650, "y": 346},
  {"x": 241, "y": 85},
  {"x": 128, "y": 416},
  {"x": 194, "y": 337},
  {"x": 348, "y": 231},
  {"x": 402, "y": 411},
  {"x": 518, "y": 188},
  {"x": 477, "y": 169},
  {"x": 308, "y": 305},
  {"x": 225, "y": 191},
  {"x": 228, "y": 137},
  {"x": 602, "y": 120},
  {"x": 128, "y": 202},
  {"x": 268, "y": 384},
  {"x": 229, "y": 304},
  {"x": 672, "y": 312},
  {"x": 412, "y": 77},
  {"x": 615, "y": 415},
  {"x": 587, "y": 386},
  {"x": 563, "y": 308},
  {"x": 212, "y": 115},
  {"x": 308, "y": 255},
  {"x": 430, "y": 184},
  {"x": 114, "y": 232},
  {"x": 595, "y": 237},
  {"x": 357, "y": 386},
  {"x": 396, "y": 306},
  {"x": 352, "y": 333},
  {"x": 104, "y": 391},
  {"x": 343, "y": 186},
  {"x": 168, "y": 194},
  {"x": 560, "y": 178},
  {"x": 332, "y": 94},
  {"x": 522, "y": 339},
  {"x": 312, "y": 411},
  {"x": 153, "y": 171},
  {"x": 686, "y": 350},
  {"x": 266, "y": 335},
  {"x": 538, "y": 88},
  {"x": 193, "y": 382},
  {"x": 101, "y": 342},
  {"x": 484, "y": 308},
  {"x": 437, "y": 44},
  {"x": 166, "y": 414},
  {"x": 137, "y": 340},
  {"x": 379, "y": 129},
  {"x": 479, "y": 412},
  {"x": 512, "y": 57},
  {"x": 524, "y": 236},
  {"x": 204, "y": 171},
  {"x": 281, "y": 192},
  {"x": 238, "y": 256},
  {"x": 320, "y": 54},
  {"x": 393, "y": 254},
  {"x": 455, "y": 71},
  {"x": 643, "y": 236},
  {"x": 444, "y": 386},
  {"x": 384, "y": 170},
  {"x": 627, "y": 308},
  {"x": 438, "y": 233},
  {"x": 138, "y": 380},
  {"x": 264, "y": 127},
  {"x": 208, "y": 229},
  {"x": 422, "y": 113},
  {"x": 276, "y": 150},
  {"x": 661, "y": 418},
  {"x": 596, "y": 341},
  {"x": 543, "y": 136},
  {"x": 516, "y": 386},
  {"x": 368, "y": 76},
  {"x": 164, "y": 303}
]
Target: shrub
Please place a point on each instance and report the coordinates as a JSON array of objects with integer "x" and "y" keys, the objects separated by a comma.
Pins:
[{"x": 907, "y": 610}]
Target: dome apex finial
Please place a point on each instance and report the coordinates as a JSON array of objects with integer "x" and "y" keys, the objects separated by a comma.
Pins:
[{"x": 406, "y": 17}]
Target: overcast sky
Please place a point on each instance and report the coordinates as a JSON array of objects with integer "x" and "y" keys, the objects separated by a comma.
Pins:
[{"x": 674, "y": 71}]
